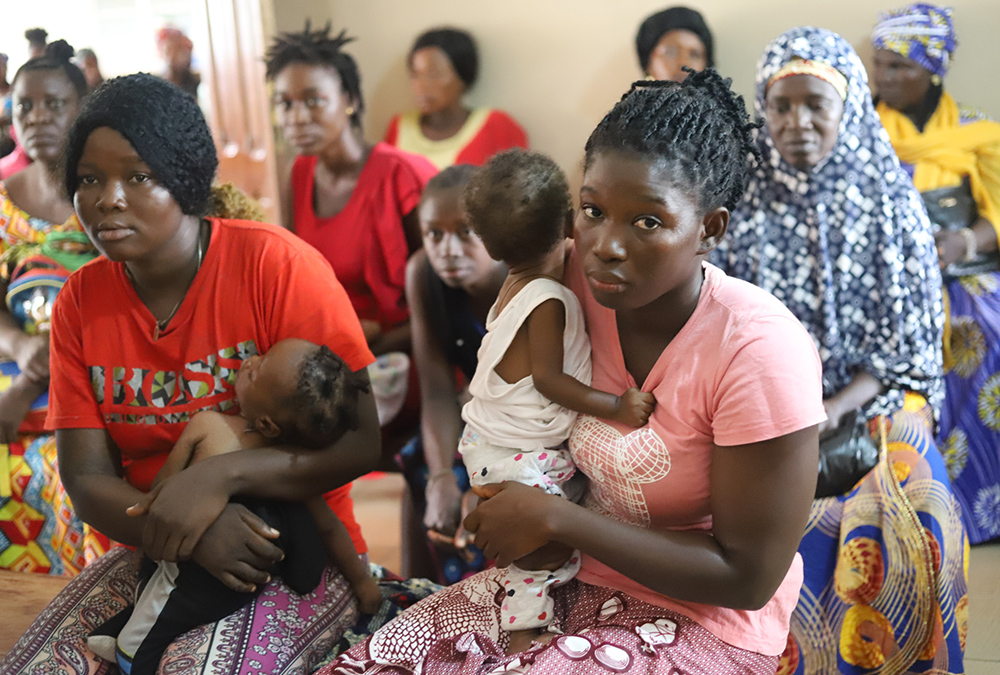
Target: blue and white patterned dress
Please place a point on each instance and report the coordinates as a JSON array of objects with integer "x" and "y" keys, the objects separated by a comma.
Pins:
[{"x": 848, "y": 248}]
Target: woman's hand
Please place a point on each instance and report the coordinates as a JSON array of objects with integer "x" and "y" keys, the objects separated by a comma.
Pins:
[
  {"x": 834, "y": 413},
  {"x": 32, "y": 355},
  {"x": 15, "y": 402},
  {"x": 237, "y": 549},
  {"x": 180, "y": 511},
  {"x": 444, "y": 503},
  {"x": 460, "y": 539},
  {"x": 513, "y": 521},
  {"x": 950, "y": 246}
]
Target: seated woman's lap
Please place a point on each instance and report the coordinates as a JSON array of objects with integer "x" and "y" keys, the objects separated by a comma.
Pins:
[
  {"x": 280, "y": 632},
  {"x": 602, "y": 630},
  {"x": 867, "y": 540}
]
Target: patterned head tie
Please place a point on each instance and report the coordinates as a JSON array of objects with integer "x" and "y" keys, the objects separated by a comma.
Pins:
[
  {"x": 823, "y": 71},
  {"x": 921, "y": 32}
]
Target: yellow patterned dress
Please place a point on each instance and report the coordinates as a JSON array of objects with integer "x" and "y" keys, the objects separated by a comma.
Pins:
[{"x": 39, "y": 531}]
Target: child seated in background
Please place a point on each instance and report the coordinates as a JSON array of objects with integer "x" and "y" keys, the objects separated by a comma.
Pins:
[
  {"x": 300, "y": 394},
  {"x": 534, "y": 365}
]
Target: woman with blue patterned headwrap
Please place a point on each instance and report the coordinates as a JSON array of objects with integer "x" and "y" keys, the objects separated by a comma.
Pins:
[
  {"x": 832, "y": 226},
  {"x": 953, "y": 155}
]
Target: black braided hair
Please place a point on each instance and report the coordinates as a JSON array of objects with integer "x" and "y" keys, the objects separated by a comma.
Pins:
[
  {"x": 458, "y": 45},
  {"x": 57, "y": 57},
  {"x": 698, "y": 129},
  {"x": 317, "y": 48},
  {"x": 456, "y": 175},
  {"x": 325, "y": 400},
  {"x": 518, "y": 203}
]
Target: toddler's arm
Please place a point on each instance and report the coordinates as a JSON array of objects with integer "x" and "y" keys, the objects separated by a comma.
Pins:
[
  {"x": 207, "y": 434},
  {"x": 546, "y": 325},
  {"x": 342, "y": 553}
]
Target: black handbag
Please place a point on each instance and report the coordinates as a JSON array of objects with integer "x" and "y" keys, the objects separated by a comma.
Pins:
[
  {"x": 846, "y": 454},
  {"x": 953, "y": 208}
]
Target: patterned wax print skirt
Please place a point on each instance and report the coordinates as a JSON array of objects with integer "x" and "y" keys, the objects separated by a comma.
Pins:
[{"x": 885, "y": 567}]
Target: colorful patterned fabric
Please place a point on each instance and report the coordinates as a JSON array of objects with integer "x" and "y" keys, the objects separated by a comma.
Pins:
[
  {"x": 846, "y": 246},
  {"x": 885, "y": 568},
  {"x": 969, "y": 430},
  {"x": 600, "y": 631},
  {"x": 920, "y": 32},
  {"x": 266, "y": 636},
  {"x": 39, "y": 532}
]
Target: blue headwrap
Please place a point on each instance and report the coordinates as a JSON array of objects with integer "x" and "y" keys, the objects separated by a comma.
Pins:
[
  {"x": 847, "y": 245},
  {"x": 920, "y": 32}
]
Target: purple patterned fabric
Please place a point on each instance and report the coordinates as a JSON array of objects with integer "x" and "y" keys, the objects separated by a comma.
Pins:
[{"x": 279, "y": 633}]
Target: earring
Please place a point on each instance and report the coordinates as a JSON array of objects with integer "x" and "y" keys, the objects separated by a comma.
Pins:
[
  {"x": 349, "y": 110},
  {"x": 936, "y": 80}
]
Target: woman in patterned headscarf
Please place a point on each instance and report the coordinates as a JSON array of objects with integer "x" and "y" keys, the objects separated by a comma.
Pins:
[
  {"x": 833, "y": 227},
  {"x": 953, "y": 155}
]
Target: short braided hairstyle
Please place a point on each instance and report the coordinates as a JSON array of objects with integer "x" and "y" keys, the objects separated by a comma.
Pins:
[
  {"x": 57, "y": 57},
  {"x": 325, "y": 402},
  {"x": 698, "y": 129},
  {"x": 519, "y": 205},
  {"x": 317, "y": 48},
  {"x": 163, "y": 124}
]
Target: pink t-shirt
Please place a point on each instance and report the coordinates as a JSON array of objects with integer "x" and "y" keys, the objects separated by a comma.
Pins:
[{"x": 741, "y": 370}]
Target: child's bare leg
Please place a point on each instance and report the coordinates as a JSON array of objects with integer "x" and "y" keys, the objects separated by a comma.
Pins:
[{"x": 342, "y": 553}]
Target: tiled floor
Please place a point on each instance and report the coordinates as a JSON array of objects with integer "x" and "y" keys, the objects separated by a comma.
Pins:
[{"x": 22, "y": 596}]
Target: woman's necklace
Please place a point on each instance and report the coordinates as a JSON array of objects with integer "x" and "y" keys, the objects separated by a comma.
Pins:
[{"x": 162, "y": 325}]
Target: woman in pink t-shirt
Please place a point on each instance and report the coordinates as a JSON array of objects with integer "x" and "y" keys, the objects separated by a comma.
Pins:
[{"x": 689, "y": 532}]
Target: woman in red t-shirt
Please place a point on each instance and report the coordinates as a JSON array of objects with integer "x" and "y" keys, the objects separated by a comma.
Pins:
[
  {"x": 154, "y": 332},
  {"x": 443, "y": 64},
  {"x": 355, "y": 202}
]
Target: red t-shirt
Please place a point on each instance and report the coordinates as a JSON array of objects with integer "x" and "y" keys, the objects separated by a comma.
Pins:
[
  {"x": 258, "y": 284},
  {"x": 365, "y": 242}
]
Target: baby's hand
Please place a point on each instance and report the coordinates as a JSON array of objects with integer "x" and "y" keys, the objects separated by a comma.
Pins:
[{"x": 634, "y": 407}]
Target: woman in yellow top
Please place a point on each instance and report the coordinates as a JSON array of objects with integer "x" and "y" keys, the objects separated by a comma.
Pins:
[
  {"x": 443, "y": 64},
  {"x": 953, "y": 155}
]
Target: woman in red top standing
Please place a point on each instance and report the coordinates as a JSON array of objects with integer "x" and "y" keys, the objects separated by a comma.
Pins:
[
  {"x": 356, "y": 203},
  {"x": 443, "y": 64}
]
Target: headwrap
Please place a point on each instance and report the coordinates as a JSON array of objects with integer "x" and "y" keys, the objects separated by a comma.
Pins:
[
  {"x": 165, "y": 127},
  {"x": 920, "y": 32},
  {"x": 847, "y": 245},
  {"x": 828, "y": 74},
  {"x": 661, "y": 23}
]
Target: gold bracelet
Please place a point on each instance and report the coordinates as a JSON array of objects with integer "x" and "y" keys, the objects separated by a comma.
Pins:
[{"x": 971, "y": 247}]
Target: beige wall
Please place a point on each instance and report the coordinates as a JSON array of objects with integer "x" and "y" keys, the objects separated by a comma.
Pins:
[{"x": 559, "y": 65}]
